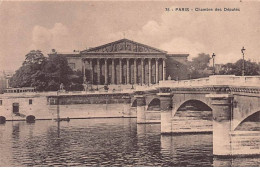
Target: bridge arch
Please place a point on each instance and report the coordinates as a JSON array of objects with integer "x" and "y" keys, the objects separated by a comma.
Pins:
[
  {"x": 154, "y": 104},
  {"x": 196, "y": 105},
  {"x": 180, "y": 99},
  {"x": 249, "y": 123},
  {"x": 192, "y": 115},
  {"x": 178, "y": 104}
]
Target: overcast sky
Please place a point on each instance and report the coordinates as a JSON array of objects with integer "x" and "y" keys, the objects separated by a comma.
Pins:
[{"x": 66, "y": 26}]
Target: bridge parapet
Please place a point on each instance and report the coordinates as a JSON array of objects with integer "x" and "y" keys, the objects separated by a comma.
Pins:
[{"x": 218, "y": 80}]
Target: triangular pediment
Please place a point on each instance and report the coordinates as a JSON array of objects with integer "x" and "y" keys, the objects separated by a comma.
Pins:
[{"x": 123, "y": 45}]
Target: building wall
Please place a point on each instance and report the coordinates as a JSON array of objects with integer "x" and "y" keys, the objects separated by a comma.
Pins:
[
  {"x": 176, "y": 70},
  {"x": 2, "y": 84},
  {"x": 77, "y": 106},
  {"x": 37, "y": 108},
  {"x": 175, "y": 67},
  {"x": 77, "y": 61}
]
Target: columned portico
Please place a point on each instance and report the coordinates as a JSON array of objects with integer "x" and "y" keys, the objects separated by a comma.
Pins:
[
  {"x": 123, "y": 62},
  {"x": 119, "y": 70}
]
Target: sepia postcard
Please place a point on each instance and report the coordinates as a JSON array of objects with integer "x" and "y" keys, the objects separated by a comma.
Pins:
[{"x": 130, "y": 83}]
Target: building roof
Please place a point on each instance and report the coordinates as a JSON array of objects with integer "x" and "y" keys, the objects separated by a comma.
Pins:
[
  {"x": 178, "y": 55},
  {"x": 123, "y": 46}
]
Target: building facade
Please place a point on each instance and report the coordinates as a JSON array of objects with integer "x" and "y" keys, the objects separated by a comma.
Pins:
[{"x": 122, "y": 62}]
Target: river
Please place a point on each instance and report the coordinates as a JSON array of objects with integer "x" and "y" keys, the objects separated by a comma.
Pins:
[{"x": 105, "y": 142}]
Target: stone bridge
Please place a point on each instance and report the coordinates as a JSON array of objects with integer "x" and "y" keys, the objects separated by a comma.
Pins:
[{"x": 227, "y": 106}]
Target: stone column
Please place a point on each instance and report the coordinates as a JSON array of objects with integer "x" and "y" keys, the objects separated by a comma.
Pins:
[
  {"x": 222, "y": 113},
  {"x": 140, "y": 110},
  {"x": 150, "y": 71},
  {"x": 142, "y": 68},
  {"x": 166, "y": 112},
  {"x": 98, "y": 71},
  {"x": 91, "y": 71},
  {"x": 135, "y": 72},
  {"x": 157, "y": 71},
  {"x": 113, "y": 72},
  {"x": 106, "y": 72},
  {"x": 120, "y": 71},
  {"x": 84, "y": 71},
  {"x": 164, "y": 70},
  {"x": 127, "y": 71}
]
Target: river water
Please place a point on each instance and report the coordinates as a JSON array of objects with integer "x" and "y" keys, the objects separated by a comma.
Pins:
[{"x": 105, "y": 142}]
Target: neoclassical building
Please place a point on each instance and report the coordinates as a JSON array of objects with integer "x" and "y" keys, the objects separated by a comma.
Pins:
[{"x": 122, "y": 62}]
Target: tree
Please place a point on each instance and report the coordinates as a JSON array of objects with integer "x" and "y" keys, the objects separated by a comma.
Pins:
[
  {"x": 34, "y": 57},
  {"x": 201, "y": 62},
  {"x": 251, "y": 68},
  {"x": 199, "y": 66},
  {"x": 46, "y": 74},
  {"x": 32, "y": 66}
]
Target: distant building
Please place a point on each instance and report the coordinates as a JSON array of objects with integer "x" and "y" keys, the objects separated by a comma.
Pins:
[
  {"x": 123, "y": 62},
  {"x": 4, "y": 80}
]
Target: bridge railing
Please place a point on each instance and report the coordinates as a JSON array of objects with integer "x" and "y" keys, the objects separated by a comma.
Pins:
[
  {"x": 146, "y": 87},
  {"x": 214, "y": 80}
]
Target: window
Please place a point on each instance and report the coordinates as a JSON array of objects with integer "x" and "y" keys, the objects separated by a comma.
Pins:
[
  {"x": 15, "y": 107},
  {"x": 1, "y": 102},
  {"x": 30, "y": 101},
  {"x": 72, "y": 66},
  {"x": 52, "y": 101}
]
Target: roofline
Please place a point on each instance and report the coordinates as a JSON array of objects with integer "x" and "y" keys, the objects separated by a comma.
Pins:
[
  {"x": 124, "y": 57},
  {"x": 89, "y": 50},
  {"x": 123, "y": 52},
  {"x": 178, "y": 55}
]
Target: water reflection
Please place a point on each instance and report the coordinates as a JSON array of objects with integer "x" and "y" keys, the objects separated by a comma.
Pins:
[
  {"x": 252, "y": 161},
  {"x": 104, "y": 142},
  {"x": 188, "y": 149}
]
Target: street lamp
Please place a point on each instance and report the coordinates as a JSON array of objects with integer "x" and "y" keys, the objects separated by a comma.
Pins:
[
  {"x": 213, "y": 57},
  {"x": 243, "y": 67},
  {"x": 177, "y": 78}
]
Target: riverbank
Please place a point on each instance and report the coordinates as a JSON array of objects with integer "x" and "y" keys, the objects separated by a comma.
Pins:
[{"x": 75, "y": 105}]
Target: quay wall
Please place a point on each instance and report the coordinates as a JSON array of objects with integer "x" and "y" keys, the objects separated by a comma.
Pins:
[
  {"x": 38, "y": 107},
  {"x": 72, "y": 106}
]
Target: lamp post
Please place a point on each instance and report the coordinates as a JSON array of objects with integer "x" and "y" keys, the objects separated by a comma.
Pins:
[
  {"x": 213, "y": 58},
  {"x": 243, "y": 66}
]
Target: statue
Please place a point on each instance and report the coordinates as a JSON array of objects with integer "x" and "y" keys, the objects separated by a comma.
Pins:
[
  {"x": 169, "y": 77},
  {"x": 85, "y": 86},
  {"x": 61, "y": 86}
]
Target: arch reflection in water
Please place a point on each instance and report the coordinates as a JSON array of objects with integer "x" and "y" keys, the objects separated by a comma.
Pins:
[
  {"x": 188, "y": 149},
  {"x": 103, "y": 142},
  {"x": 192, "y": 116}
]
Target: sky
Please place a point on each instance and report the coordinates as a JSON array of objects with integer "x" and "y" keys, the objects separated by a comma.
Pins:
[{"x": 68, "y": 26}]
